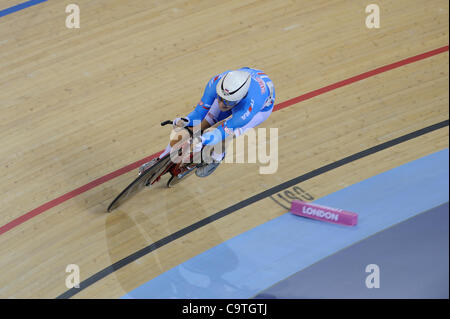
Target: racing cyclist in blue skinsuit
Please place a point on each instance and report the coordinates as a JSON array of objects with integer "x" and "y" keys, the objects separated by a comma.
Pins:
[{"x": 244, "y": 98}]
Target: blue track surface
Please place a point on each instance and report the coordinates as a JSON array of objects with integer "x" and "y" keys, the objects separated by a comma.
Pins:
[
  {"x": 269, "y": 253},
  {"x": 412, "y": 258}
]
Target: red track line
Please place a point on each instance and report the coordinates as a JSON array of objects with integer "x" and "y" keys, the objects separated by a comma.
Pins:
[
  {"x": 359, "y": 77},
  {"x": 123, "y": 170},
  {"x": 75, "y": 192}
]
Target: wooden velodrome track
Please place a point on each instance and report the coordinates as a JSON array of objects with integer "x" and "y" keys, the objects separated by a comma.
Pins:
[{"x": 76, "y": 105}]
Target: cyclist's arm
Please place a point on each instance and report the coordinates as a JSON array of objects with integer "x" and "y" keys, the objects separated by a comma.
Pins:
[{"x": 205, "y": 103}]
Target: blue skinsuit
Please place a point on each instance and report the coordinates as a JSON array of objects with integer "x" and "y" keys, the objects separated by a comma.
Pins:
[{"x": 260, "y": 97}]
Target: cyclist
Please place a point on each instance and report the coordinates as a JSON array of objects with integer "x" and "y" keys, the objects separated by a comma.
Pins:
[{"x": 242, "y": 99}]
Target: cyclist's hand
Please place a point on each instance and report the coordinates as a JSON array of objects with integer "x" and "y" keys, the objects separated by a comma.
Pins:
[
  {"x": 180, "y": 122},
  {"x": 197, "y": 145}
]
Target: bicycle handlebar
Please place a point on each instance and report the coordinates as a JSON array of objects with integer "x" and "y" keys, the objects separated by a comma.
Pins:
[
  {"x": 191, "y": 134},
  {"x": 166, "y": 122}
]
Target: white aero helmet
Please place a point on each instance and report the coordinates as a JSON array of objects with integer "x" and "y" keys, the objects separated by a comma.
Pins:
[{"x": 233, "y": 87}]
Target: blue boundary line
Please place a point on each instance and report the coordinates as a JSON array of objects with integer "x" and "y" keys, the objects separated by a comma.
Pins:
[{"x": 19, "y": 7}]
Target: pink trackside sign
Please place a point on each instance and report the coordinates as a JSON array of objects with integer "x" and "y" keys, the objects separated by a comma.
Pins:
[{"x": 323, "y": 213}]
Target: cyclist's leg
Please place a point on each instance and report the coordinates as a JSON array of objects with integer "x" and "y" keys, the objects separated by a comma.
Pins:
[{"x": 175, "y": 137}]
